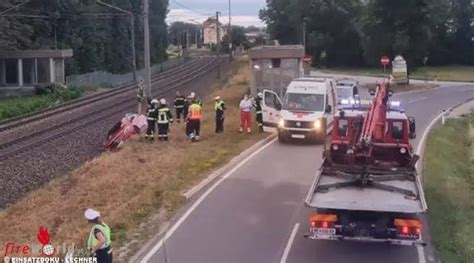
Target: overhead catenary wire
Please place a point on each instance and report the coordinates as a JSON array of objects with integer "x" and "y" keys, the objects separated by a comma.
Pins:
[{"x": 191, "y": 9}]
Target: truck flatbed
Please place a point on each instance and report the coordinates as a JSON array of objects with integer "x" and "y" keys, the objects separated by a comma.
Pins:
[{"x": 332, "y": 191}]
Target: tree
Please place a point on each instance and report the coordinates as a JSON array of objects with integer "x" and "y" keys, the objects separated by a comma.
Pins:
[
  {"x": 395, "y": 27},
  {"x": 177, "y": 32},
  {"x": 99, "y": 42},
  {"x": 329, "y": 28},
  {"x": 238, "y": 38}
]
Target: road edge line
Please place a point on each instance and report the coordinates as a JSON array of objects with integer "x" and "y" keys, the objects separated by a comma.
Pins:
[
  {"x": 188, "y": 212},
  {"x": 289, "y": 244},
  {"x": 234, "y": 161},
  {"x": 420, "y": 149}
]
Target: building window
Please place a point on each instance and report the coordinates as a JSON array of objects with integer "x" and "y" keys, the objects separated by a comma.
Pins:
[{"x": 276, "y": 62}]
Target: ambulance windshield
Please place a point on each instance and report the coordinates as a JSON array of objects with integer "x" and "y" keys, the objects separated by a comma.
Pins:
[{"x": 303, "y": 102}]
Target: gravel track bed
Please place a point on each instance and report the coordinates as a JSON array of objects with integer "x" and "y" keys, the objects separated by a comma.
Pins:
[
  {"x": 60, "y": 117},
  {"x": 30, "y": 169}
]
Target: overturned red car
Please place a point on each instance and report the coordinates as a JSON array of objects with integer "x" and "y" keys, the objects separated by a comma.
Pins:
[{"x": 131, "y": 124}]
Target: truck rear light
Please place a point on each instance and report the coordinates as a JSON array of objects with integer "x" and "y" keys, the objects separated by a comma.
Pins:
[
  {"x": 408, "y": 228},
  {"x": 322, "y": 220},
  {"x": 403, "y": 150},
  {"x": 405, "y": 230},
  {"x": 335, "y": 147}
]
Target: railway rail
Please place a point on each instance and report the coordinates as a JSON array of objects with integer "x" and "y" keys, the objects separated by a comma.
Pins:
[
  {"x": 48, "y": 112},
  {"x": 171, "y": 81}
]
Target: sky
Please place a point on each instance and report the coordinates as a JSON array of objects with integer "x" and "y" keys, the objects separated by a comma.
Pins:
[{"x": 244, "y": 12}]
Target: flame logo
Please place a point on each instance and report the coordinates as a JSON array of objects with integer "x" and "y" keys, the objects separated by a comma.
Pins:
[{"x": 43, "y": 238}]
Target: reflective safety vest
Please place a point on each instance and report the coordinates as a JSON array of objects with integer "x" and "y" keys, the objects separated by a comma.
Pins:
[
  {"x": 194, "y": 112},
  {"x": 219, "y": 106},
  {"x": 93, "y": 241},
  {"x": 164, "y": 115}
]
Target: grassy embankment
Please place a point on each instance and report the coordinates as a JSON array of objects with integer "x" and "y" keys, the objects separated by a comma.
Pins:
[
  {"x": 136, "y": 189},
  {"x": 15, "y": 106},
  {"x": 449, "y": 186},
  {"x": 442, "y": 73}
]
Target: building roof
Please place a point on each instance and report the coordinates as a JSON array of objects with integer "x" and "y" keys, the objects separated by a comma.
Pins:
[
  {"x": 285, "y": 51},
  {"x": 210, "y": 21},
  {"x": 43, "y": 53}
]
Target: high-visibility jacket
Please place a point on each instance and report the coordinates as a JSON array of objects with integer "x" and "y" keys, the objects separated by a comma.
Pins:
[
  {"x": 164, "y": 115},
  {"x": 219, "y": 106},
  {"x": 194, "y": 112},
  {"x": 93, "y": 241}
]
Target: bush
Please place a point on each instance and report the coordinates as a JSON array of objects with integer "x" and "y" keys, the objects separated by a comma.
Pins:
[{"x": 46, "y": 96}]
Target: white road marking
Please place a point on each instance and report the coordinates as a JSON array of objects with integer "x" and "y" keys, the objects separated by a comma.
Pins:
[
  {"x": 421, "y": 254},
  {"x": 286, "y": 252},
  {"x": 419, "y": 149},
  {"x": 421, "y": 143},
  {"x": 416, "y": 100},
  {"x": 199, "y": 201}
]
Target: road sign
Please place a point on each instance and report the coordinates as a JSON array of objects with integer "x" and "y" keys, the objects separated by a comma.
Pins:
[
  {"x": 385, "y": 60},
  {"x": 307, "y": 59}
]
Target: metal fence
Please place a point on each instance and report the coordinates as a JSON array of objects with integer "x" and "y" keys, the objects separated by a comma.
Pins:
[{"x": 106, "y": 79}]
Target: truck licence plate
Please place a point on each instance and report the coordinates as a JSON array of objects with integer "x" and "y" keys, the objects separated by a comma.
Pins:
[
  {"x": 298, "y": 136},
  {"x": 325, "y": 231}
]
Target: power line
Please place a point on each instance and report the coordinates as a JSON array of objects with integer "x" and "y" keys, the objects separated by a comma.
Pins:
[{"x": 190, "y": 9}]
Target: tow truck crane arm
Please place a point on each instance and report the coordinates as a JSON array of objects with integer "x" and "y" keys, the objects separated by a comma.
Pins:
[{"x": 374, "y": 123}]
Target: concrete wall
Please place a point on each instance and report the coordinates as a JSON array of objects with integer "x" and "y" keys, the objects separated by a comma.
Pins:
[{"x": 265, "y": 74}]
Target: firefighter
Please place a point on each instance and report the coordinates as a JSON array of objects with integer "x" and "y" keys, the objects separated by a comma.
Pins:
[
  {"x": 152, "y": 117},
  {"x": 257, "y": 104},
  {"x": 99, "y": 237},
  {"x": 179, "y": 103},
  {"x": 164, "y": 119},
  {"x": 193, "y": 126},
  {"x": 219, "y": 107}
]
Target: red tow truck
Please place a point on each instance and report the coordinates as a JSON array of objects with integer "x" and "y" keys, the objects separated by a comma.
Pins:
[{"x": 368, "y": 188}]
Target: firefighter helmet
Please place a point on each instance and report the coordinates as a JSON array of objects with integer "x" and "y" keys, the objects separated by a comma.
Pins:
[
  {"x": 154, "y": 101},
  {"x": 162, "y": 101}
]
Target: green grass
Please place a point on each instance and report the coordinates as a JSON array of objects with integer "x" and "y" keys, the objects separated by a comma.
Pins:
[
  {"x": 15, "y": 106},
  {"x": 449, "y": 186},
  {"x": 442, "y": 73}
]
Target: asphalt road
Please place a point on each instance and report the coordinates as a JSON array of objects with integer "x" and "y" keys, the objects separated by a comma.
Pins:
[{"x": 251, "y": 215}]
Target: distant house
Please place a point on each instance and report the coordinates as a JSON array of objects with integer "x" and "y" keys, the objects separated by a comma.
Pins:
[{"x": 210, "y": 31}]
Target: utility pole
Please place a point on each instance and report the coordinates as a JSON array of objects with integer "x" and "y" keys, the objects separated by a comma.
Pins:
[
  {"x": 187, "y": 41},
  {"x": 230, "y": 34},
  {"x": 218, "y": 46},
  {"x": 134, "y": 52},
  {"x": 146, "y": 33},
  {"x": 304, "y": 33}
]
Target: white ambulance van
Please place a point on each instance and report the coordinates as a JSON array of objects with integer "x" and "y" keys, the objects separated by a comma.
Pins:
[{"x": 306, "y": 111}]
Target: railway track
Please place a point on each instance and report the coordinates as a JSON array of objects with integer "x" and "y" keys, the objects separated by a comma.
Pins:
[
  {"x": 117, "y": 107},
  {"x": 46, "y": 113}
]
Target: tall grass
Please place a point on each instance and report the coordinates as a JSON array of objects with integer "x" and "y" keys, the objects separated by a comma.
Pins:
[
  {"x": 449, "y": 186},
  {"x": 131, "y": 187}
]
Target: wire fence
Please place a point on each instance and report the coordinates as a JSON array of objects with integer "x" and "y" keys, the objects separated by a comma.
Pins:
[{"x": 110, "y": 80}]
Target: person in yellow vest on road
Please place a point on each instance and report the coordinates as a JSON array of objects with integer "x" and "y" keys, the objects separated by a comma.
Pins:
[
  {"x": 193, "y": 125},
  {"x": 99, "y": 237}
]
